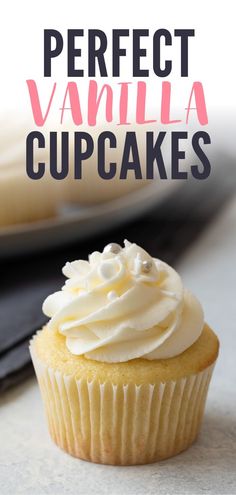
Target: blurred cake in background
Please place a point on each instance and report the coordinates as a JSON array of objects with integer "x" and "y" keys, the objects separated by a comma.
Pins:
[{"x": 24, "y": 200}]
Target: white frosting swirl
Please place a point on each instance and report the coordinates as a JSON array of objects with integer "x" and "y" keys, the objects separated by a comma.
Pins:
[{"x": 117, "y": 307}]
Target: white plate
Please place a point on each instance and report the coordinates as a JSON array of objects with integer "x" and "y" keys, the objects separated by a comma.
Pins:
[{"x": 77, "y": 223}]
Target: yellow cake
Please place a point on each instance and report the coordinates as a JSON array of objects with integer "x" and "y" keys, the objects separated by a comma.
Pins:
[{"x": 106, "y": 404}]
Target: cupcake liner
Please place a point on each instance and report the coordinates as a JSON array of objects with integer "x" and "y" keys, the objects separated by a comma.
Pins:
[{"x": 122, "y": 424}]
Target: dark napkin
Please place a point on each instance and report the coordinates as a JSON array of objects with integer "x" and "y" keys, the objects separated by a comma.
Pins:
[{"x": 165, "y": 232}]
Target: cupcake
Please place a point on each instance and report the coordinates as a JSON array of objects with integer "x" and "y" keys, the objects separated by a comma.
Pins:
[
  {"x": 23, "y": 200},
  {"x": 125, "y": 361}
]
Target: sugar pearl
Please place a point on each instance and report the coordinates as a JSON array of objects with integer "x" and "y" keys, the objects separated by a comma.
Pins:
[
  {"x": 146, "y": 266},
  {"x": 112, "y": 295},
  {"x": 112, "y": 248},
  {"x": 107, "y": 270}
]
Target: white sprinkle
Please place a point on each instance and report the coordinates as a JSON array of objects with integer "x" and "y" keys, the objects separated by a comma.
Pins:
[
  {"x": 107, "y": 270},
  {"x": 112, "y": 295},
  {"x": 113, "y": 248}
]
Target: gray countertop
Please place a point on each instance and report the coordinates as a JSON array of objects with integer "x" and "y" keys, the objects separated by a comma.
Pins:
[{"x": 30, "y": 464}]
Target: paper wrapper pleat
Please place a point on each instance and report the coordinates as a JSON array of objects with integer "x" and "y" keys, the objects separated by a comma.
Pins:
[{"x": 122, "y": 424}]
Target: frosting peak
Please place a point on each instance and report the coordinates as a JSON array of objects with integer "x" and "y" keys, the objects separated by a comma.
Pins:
[{"x": 123, "y": 304}]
